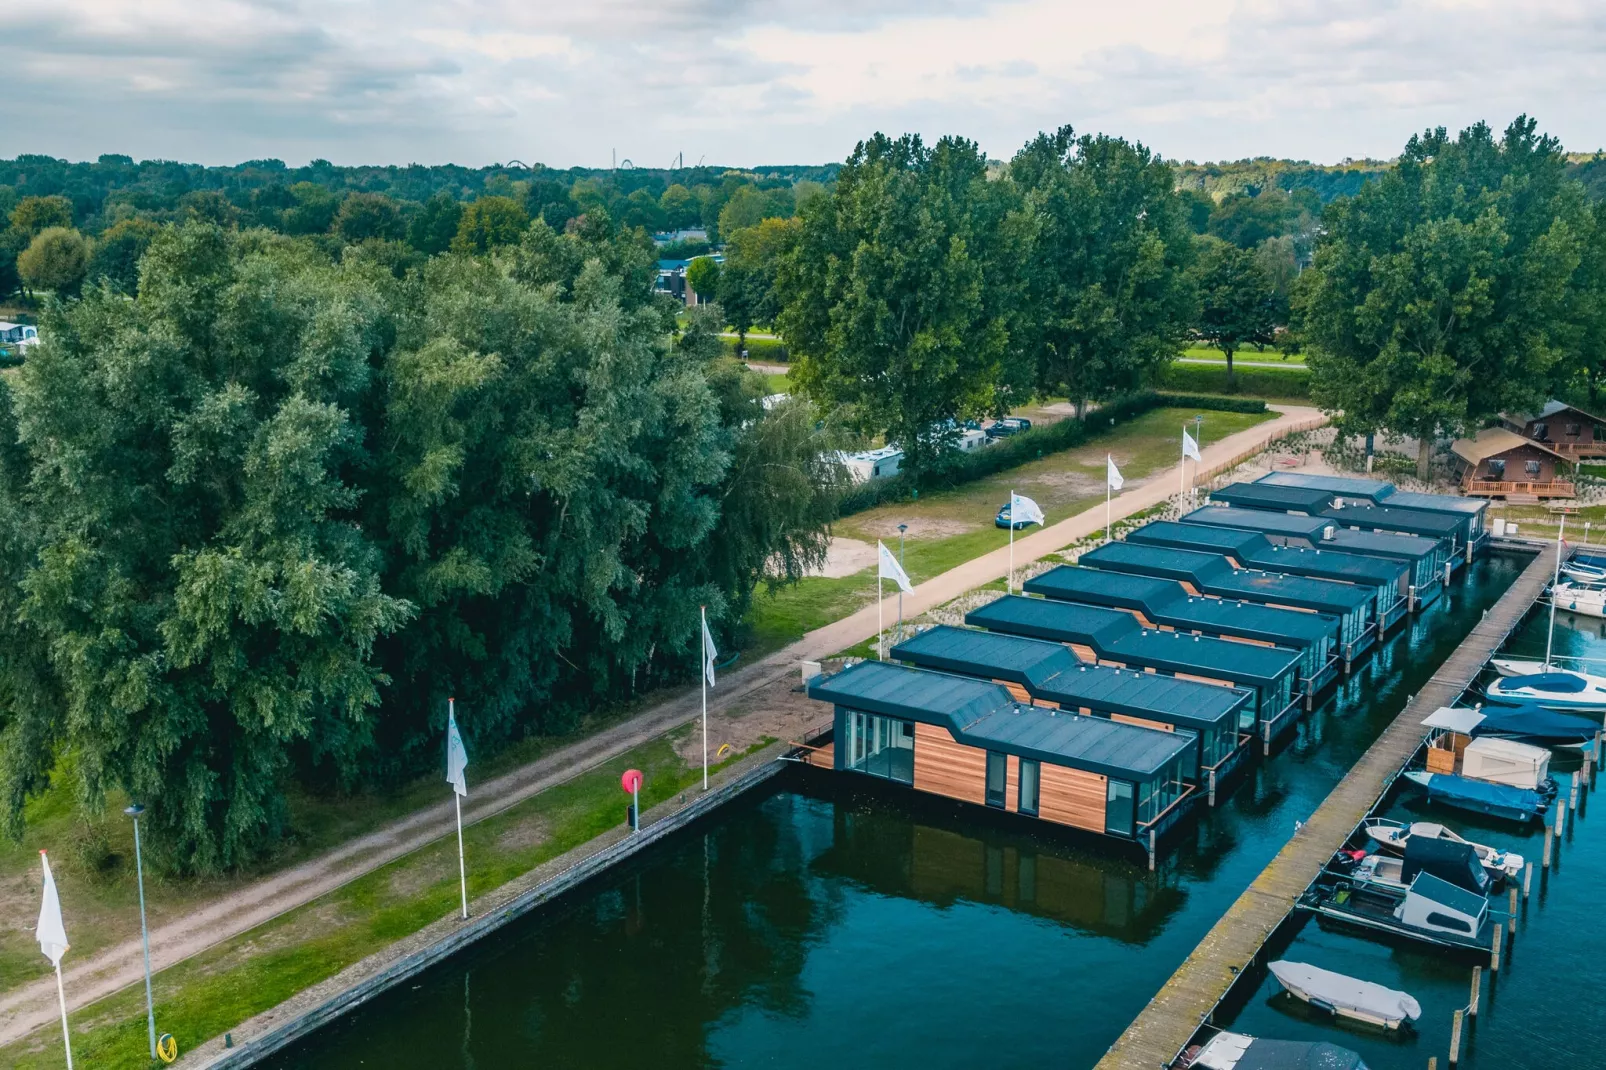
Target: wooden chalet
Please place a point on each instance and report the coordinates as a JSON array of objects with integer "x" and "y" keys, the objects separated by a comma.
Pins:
[
  {"x": 1565, "y": 429},
  {"x": 1500, "y": 463}
]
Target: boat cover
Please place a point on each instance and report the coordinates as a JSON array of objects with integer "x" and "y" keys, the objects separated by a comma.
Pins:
[
  {"x": 1448, "y": 788},
  {"x": 1297, "y": 1055},
  {"x": 1537, "y": 722},
  {"x": 1457, "y": 863},
  {"x": 1556, "y": 683},
  {"x": 1337, "y": 990}
]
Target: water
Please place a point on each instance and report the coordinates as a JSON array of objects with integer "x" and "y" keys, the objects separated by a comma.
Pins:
[
  {"x": 832, "y": 922},
  {"x": 1542, "y": 1010}
]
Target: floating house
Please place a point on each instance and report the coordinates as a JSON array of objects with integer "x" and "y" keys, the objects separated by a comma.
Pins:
[
  {"x": 970, "y": 740},
  {"x": 1475, "y": 510},
  {"x": 1211, "y": 574},
  {"x": 1358, "y": 515},
  {"x": 1301, "y": 501},
  {"x": 1502, "y": 464},
  {"x": 1167, "y": 605},
  {"x": 1390, "y": 581},
  {"x": 1114, "y": 637},
  {"x": 1219, "y": 720},
  {"x": 1425, "y": 556}
]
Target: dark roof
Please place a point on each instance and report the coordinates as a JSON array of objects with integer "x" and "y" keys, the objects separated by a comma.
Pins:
[
  {"x": 1166, "y": 602},
  {"x": 981, "y": 714},
  {"x": 1116, "y": 635},
  {"x": 1212, "y": 574},
  {"x": 1271, "y": 496},
  {"x": 1441, "y": 503},
  {"x": 1330, "y": 565},
  {"x": 1050, "y": 671},
  {"x": 1239, "y": 543},
  {"x": 1284, "y": 524},
  {"x": 1382, "y": 544},
  {"x": 1374, "y": 490},
  {"x": 1392, "y": 518}
]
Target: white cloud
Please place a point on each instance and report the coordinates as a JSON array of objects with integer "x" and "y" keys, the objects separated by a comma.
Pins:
[{"x": 771, "y": 81}]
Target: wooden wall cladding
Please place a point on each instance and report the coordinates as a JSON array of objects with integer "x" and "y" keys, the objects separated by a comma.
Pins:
[
  {"x": 944, "y": 767},
  {"x": 1068, "y": 796}
]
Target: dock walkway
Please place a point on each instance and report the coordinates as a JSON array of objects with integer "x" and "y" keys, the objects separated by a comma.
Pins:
[{"x": 1168, "y": 1023}]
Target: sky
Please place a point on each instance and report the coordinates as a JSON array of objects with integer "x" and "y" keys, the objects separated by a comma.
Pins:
[{"x": 753, "y": 82}]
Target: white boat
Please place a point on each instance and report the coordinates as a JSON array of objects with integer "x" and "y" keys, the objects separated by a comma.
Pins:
[
  {"x": 1394, "y": 835},
  {"x": 1585, "y": 599},
  {"x": 1581, "y": 573},
  {"x": 1522, "y": 667},
  {"x": 1239, "y": 1051},
  {"x": 1346, "y": 997},
  {"x": 1556, "y": 689}
]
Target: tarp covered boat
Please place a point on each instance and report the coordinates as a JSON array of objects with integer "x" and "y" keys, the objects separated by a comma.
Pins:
[
  {"x": 1555, "y": 690},
  {"x": 1536, "y": 724},
  {"x": 1236, "y": 1051},
  {"x": 1347, "y": 997},
  {"x": 1479, "y": 796}
]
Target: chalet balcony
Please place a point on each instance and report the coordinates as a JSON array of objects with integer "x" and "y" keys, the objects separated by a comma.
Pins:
[
  {"x": 1575, "y": 449},
  {"x": 1499, "y": 488}
]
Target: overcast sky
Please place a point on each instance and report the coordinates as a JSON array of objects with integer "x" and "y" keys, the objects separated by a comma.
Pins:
[{"x": 747, "y": 82}]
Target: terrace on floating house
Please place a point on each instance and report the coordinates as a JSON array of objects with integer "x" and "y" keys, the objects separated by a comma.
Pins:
[
  {"x": 1161, "y": 603},
  {"x": 970, "y": 740},
  {"x": 1202, "y": 572},
  {"x": 1425, "y": 556},
  {"x": 1475, "y": 510},
  {"x": 1218, "y": 719},
  {"x": 1114, "y": 637},
  {"x": 1389, "y": 580}
]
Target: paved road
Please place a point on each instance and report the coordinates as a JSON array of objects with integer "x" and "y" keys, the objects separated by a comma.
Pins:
[
  {"x": 1241, "y": 363},
  {"x": 33, "y": 1005}
]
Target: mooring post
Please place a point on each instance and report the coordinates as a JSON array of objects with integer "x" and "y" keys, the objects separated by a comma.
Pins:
[
  {"x": 1511, "y": 911},
  {"x": 1527, "y": 878},
  {"x": 1151, "y": 850},
  {"x": 1549, "y": 836},
  {"x": 1494, "y": 953},
  {"x": 1433, "y": 1062},
  {"x": 1572, "y": 794},
  {"x": 1561, "y": 822},
  {"x": 1477, "y": 983},
  {"x": 1455, "y": 1038}
]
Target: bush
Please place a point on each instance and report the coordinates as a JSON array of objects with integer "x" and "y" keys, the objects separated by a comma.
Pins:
[
  {"x": 1218, "y": 402},
  {"x": 1257, "y": 382},
  {"x": 763, "y": 350}
]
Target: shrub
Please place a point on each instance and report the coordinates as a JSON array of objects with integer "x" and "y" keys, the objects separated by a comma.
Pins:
[{"x": 1256, "y": 382}]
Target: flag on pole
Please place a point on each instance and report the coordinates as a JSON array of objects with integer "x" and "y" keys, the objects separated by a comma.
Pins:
[
  {"x": 709, "y": 654},
  {"x": 1112, "y": 474},
  {"x": 1190, "y": 448},
  {"x": 51, "y": 933},
  {"x": 1023, "y": 508},
  {"x": 891, "y": 570},
  {"x": 456, "y": 756}
]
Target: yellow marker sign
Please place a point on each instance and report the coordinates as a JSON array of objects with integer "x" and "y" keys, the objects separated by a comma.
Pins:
[{"x": 166, "y": 1048}]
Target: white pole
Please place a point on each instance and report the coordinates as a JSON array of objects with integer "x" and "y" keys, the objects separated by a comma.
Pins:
[
  {"x": 1106, "y": 499},
  {"x": 635, "y": 803},
  {"x": 66, "y": 1035},
  {"x": 145, "y": 941},
  {"x": 1550, "y": 637},
  {"x": 462, "y": 869},
  {"x": 878, "y": 625},
  {"x": 703, "y": 672},
  {"x": 1182, "y": 469},
  {"x": 1009, "y": 581}
]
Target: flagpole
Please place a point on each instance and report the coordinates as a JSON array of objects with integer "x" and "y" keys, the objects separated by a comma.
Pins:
[
  {"x": 704, "y": 674},
  {"x": 1182, "y": 469},
  {"x": 878, "y": 625},
  {"x": 1009, "y": 581},
  {"x": 1108, "y": 462},
  {"x": 66, "y": 1035},
  {"x": 457, "y": 801},
  {"x": 1550, "y": 637}
]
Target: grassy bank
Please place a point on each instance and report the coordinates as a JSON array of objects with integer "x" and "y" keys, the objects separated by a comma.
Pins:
[
  {"x": 1269, "y": 356},
  {"x": 1277, "y": 384}
]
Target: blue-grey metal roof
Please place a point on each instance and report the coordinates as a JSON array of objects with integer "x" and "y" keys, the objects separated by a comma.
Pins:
[
  {"x": 1116, "y": 635},
  {"x": 1252, "y": 549},
  {"x": 1264, "y": 521},
  {"x": 1433, "y": 525},
  {"x": 1240, "y": 543},
  {"x": 1442, "y": 503},
  {"x": 1373, "y": 490},
  {"x": 1270, "y": 496},
  {"x": 1166, "y": 602},
  {"x": 981, "y": 714},
  {"x": 1050, "y": 671},
  {"x": 1383, "y": 544},
  {"x": 1212, "y": 574}
]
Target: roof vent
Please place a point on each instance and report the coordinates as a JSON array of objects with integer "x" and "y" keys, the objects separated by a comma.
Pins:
[
  {"x": 1329, "y": 533},
  {"x": 1338, "y": 503}
]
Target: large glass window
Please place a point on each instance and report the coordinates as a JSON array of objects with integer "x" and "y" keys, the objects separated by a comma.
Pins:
[
  {"x": 1190, "y": 757},
  {"x": 1156, "y": 795},
  {"x": 1028, "y": 787},
  {"x": 1118, "y": 807},
  {"x": 997, "y": 774},
  {"x": 881, "y": 746}
]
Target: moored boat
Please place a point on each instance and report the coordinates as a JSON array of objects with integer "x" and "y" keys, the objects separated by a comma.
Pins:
[
  {"x": 1239, "y": 1051},
  {"x": 1585, "y": 599},
  {"x": 1453, "y": 863},
  {"x": 1523, "y": 667},
  {"x": 1480, "y": 796},
  {"x": 1537, "y": 725},
  {"x": 1346, "y": 997},
  {"x": 1554, "y": 690},
  {"x": 1430, "y": 910},
  {"x": 1395, "y": 835}
]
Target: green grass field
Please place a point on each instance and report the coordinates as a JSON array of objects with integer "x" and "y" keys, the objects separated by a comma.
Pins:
[{"x": 1269, "y": 356}]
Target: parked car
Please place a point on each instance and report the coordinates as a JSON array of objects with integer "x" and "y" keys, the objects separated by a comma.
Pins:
[
  {"x": 1002, "y": 520},
  {"x": 1009, "y": 425}
]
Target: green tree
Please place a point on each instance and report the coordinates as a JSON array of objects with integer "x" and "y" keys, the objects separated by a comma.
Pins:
[
  {"x": 1237, "y": 302},
  {"x": 1442, "y": 293},
  {"x": 368, "y": 215},
  {"x": 702, "y": 275},
  {"x": 313, "y": 211},
  {"x": 490, "y": 223},
  {"x": 679, "y": 206},
  {"x": 1106, "y": 302},
  {"x": 56, "y": 260},
  {"x": 435, "y": 225},
  {"x": 209, "y": 206},
  {"x": 35, "y": 214},
  {"x": 115, "y": 259},
  {"x": 898, "y": 293}
]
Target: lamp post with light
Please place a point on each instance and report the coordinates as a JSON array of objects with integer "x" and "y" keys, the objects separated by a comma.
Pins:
[{"x": 144, "y": 930}]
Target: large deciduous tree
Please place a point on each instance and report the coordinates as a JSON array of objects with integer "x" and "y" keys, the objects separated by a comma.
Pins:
[
  {"x": 56, "y": 260},
  {"x": 1238, "y": 303},
  {"x": 1441, "y": 294}
]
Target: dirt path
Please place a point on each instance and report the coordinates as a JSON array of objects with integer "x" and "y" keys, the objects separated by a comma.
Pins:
[{"x": 33, "y": 1005}]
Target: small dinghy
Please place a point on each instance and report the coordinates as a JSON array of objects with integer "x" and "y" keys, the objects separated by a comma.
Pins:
[
  {"x": 1238, "y": 1051},
  {"x": 1394, "y": 835},
  {"x": 1346, "y": 997},
  {"x": 1554, "y": 690}
]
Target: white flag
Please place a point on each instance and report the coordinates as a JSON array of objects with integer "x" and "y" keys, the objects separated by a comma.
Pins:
[
  {"x": 456, "y": 756},
  {"x": 1022, "y": 508},
  {"x": 1112, "y": 475},
  {"x": 709, "y": 654},
  {"x": 51, "y": 933},
  {"x": 1190, "y": 448},
  {"x": 891, "y": 570}
]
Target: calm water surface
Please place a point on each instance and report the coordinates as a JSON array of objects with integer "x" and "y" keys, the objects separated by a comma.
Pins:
[{"x": 829, "y": 923}]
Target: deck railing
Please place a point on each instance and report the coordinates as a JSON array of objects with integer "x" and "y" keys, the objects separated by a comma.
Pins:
[{"x": 1555, "y": 488}]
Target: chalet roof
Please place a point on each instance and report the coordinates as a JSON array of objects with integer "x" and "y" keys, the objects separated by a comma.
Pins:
[
  {"x": 1549, "y": 409},
  {"x": 1493, "y": 441}
]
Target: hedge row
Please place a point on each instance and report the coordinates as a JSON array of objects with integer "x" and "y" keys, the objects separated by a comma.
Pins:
[
  {"x": 763, "y": 350},
  {"x": 1260, "y": 382},
  {"x": 1040, "y": 441}
]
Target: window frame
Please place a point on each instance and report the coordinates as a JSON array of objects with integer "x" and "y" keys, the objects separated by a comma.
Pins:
[
  {"x": 1000, "y": 799},
  {"x": 1020, "y": 786}
]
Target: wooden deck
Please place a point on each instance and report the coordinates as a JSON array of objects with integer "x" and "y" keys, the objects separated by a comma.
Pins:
[{"x": 1184, "y": 1003}]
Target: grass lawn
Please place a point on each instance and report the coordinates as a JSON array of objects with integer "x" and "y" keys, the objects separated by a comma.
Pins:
[
  {"x": 778, "y": 382},
  {"x": 1270, "y": 356},
  {"x": 947, "y": 528},
  {"x": 224, "y": 986}
]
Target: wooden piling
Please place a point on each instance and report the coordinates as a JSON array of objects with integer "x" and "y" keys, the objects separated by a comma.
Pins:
[
  {"x": 1549, "y": 836},
  {"x": 1511, "y": 912},
  {"x": 1433, "y": 1062},
  {"x": 1477, "y": 985},
  {"x": 1494, "y": 955},
  {"x": 1561, "y": 821},
  {"x": 1455, "y": 1038},
  {"x": 1527, "y": 878},
  {"x": 1212, "y": 787},
  {"x": 1572, "y": 794}
]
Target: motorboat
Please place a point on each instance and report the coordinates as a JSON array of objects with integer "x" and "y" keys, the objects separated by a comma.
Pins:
[
  {"x": 1395, "y": 835},
  {"x": 1578, "y": 572},
  {"x": 1584, "y": 599},
  {"x": 1346, "y": 997},
  {"x": 1430, "y": 910},
  {"x": 1554, "y": 690},
  {"x": 1520, "y": 667},
  {"x": 1479, "y": 796},
  {"x": 1453, "y": 863},
  {"x": 1537, "y": 725},
  {"x": 1239, "y": 1051},
  {"x": 1452, "y": 749}
]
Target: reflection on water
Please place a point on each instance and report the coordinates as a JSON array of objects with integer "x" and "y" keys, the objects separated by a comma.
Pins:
[{"x": 836, "y": 923}]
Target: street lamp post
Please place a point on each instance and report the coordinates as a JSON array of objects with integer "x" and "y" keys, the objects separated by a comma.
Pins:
[
  {"x": 144, "y": 931},
  {"x": 901, "y": 529}
]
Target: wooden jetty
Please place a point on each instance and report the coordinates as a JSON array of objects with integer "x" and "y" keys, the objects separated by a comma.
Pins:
[{"x": 1166, "y": 1026}]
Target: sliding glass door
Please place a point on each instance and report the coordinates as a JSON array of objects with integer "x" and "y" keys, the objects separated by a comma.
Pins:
[{"x": 881, "y": 746}]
